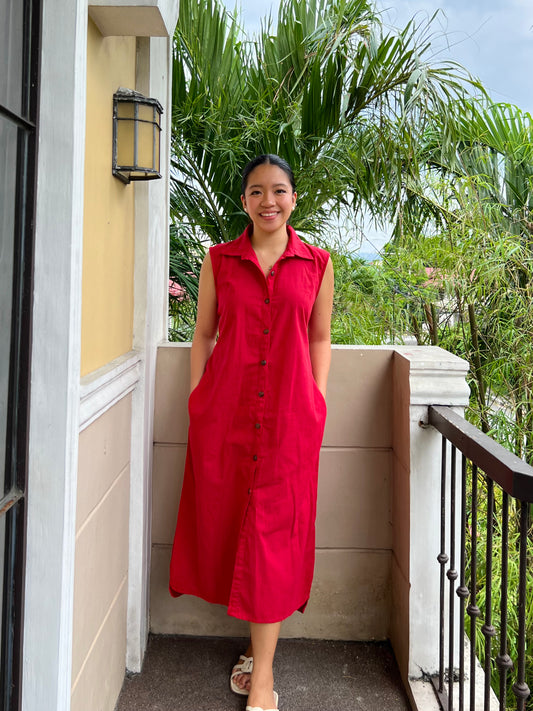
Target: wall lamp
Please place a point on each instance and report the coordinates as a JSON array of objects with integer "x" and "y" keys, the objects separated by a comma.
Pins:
[{"x": 136, "y": 136}]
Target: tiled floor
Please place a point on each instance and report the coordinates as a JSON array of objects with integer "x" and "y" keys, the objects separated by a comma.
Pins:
[{"x": 191, "y": 674}]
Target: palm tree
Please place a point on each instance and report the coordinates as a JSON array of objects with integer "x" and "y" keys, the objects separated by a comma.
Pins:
[{"x": 343, "y": 101}]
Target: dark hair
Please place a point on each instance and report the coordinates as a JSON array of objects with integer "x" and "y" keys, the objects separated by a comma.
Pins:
[{"x": 268, "y": 159}]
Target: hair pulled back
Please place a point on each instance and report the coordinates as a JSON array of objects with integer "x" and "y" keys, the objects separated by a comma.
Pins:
[{"x": 267, "y": 159}]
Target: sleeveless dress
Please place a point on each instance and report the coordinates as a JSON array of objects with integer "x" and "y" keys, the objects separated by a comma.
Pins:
[{"x": 245, "y": 535}]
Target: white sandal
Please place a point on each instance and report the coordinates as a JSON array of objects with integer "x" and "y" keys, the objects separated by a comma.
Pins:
[
  {"x": 242, "y": 667},
  {"x": 258, "y": 708}
]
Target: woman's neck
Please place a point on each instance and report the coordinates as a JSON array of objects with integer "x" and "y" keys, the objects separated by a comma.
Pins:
[
  {"x": 269, "y": 247},
  {"x": 271, "y": 241}
]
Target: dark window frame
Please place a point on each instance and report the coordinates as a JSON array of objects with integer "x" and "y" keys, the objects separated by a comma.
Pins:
[{"x": 13, "y": 502}]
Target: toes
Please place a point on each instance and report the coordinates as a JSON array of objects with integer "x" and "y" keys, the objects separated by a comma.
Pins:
[{"x": 243, "y": 681}]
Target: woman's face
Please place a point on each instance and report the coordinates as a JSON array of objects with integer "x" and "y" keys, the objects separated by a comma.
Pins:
[{"x": 268, "y": 198}]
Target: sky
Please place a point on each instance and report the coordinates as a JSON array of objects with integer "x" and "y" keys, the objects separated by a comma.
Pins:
[{"x": 492, "y": 39}]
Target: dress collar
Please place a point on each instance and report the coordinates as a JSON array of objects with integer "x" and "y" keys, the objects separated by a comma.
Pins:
[{"x": 242, "y": 246}]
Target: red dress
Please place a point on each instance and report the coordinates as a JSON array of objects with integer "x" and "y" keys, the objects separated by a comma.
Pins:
[{"x": 245, "y": 535}]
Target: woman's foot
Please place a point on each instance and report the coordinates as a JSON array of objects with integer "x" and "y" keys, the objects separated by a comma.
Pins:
[
  {"x": 239, "y": 680},
  {"x": 262, "y": 695},
  {"x": 265, "y": 708},
  {"x": 242, "y": 672}
]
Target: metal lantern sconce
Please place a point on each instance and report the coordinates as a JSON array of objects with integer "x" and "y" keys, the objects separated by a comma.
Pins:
[{"x": 136, "y": 136}]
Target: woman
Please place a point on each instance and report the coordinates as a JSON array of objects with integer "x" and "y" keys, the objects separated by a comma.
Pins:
[{"x": 245, "y": 535}]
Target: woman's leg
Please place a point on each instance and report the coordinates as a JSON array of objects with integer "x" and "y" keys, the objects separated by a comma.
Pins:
[{"x": 264, "y": 638}]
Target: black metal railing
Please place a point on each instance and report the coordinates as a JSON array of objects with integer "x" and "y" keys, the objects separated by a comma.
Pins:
[{"x": 492, "y": 494}]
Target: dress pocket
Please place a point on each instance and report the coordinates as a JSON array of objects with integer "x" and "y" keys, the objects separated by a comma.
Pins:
[
  {"x": 193, "y": 397},
  {"x": 319, "y": 395}
]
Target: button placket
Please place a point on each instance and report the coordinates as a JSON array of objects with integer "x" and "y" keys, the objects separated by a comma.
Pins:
[{"x": 262, "y": 384}]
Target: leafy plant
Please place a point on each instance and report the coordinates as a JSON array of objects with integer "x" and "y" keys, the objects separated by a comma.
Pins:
[{"x": 343, "y": 101}]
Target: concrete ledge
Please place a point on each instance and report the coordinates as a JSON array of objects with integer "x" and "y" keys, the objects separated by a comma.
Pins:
[
  {"x": 423, "y": 697},
  {"x": 134, "y": 18}
]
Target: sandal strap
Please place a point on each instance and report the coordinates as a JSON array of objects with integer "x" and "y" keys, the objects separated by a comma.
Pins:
[{"x": 244, "y": 667}]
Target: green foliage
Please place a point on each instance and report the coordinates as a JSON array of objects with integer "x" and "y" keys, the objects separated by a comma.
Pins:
[
  {"x": 357, "y": 286},
  {"x": 476, "y": 251},
  {"x": 185, "y": 261},
  {"x": 370, "y": 125},
  {"x": 343, "y": 101},
  {"x": 502, "y": 552}
]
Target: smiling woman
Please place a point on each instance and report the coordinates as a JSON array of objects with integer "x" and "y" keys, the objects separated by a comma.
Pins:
[{"x": 245, "y": 535}]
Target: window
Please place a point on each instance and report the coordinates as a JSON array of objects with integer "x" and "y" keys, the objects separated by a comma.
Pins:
[{"x": 19, "y": 53}]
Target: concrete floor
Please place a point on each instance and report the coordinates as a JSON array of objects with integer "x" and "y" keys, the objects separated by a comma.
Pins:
[{"x": 192, "y": 674}]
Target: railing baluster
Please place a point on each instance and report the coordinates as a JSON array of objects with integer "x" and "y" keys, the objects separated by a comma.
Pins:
[
  {"x": 462, "y": 590},
  {"x": 488, "y": 629},
  {"x": 520, "y": 687},
  {"x": 503, "y": 660},
  {"x": 452, "y": 577},
  {"x": 443, "y": 559},
  {"x": 514, "y": 479},
  {"x": 472, "y": 609}
]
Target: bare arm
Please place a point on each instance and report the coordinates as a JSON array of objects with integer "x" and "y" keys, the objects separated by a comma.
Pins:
[
  {"x": 205, "y": 332},
  {"x": 320, "y": 330}
]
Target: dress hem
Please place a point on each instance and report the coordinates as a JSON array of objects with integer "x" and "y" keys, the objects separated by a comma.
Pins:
[{"x": 301, "y": 608}]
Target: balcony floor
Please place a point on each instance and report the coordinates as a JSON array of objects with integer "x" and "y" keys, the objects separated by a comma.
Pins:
[{"x": 191, "y": 674}]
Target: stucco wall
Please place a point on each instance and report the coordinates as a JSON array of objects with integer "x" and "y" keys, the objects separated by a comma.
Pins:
[
  {"x": 400, "y": 573},
  {"x": 101, "y": 567},
  {"x": 351, "y": 596},
  {"x": 108, "y": 223}
]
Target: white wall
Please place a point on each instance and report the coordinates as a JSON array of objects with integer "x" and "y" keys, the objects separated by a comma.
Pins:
[{"x": 54, "y": 398}]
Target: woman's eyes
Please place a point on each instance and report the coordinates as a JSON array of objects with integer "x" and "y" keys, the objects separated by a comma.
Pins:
[{"x": 278, "y": 191}]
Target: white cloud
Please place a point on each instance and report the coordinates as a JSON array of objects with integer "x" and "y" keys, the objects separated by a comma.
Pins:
[{"x": 493, "y": 39}]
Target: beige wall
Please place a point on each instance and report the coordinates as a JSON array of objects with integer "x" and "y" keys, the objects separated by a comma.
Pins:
[
  {"x": 101, "y": 567},
  {"x": 351, "y": 596},
  {"x": 108, "y": 229}
]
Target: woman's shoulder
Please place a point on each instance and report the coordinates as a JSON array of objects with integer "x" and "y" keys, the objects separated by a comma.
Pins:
[
  {"x": 319, "y": 252},
  {"x": 311, "y": 251}
]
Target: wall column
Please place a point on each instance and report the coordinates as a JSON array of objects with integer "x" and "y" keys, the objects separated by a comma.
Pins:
[
  {"x": 55, "y": 369},
  {"x": 422, "y": 376},
  {"x": 150, "y": 328}
]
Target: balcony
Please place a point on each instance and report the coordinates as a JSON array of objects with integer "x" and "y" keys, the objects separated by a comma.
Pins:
[
  {"x": 191, "y": 674},
  {"x": 387, "y": 516}
]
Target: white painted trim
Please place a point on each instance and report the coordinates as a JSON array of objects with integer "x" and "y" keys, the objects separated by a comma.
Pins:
[
  {"x": 102, "y": 389},
  {"x": 55, "y": 360},
  {"x": 154, "y": 57}
]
